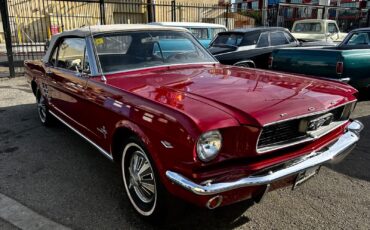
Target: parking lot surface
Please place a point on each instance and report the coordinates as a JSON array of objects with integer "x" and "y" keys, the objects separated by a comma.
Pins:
[{"x": 61, "y": 177}]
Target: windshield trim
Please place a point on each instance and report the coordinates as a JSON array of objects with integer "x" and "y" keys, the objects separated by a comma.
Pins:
[{"x": 152, "y": 67}]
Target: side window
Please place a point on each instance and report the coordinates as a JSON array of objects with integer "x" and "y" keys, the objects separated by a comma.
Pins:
[
  {"x": 263, "y": 41},
  {"x": 332, "y": 28},
  {"x": 71, "y": 54},
  {"x": 278, "y": 39}
]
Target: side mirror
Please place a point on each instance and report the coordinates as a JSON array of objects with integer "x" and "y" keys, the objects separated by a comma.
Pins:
[{"x": 85, "y": 72}]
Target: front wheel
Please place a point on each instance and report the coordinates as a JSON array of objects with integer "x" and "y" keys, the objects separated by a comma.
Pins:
[
  {"x": 141, "y": 182},
  {"x": 43, "y": 111}
]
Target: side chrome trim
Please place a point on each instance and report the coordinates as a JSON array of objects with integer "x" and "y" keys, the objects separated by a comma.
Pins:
[
  {"x": 330, "y": 153},
  {"x": 107, "y": 155}
]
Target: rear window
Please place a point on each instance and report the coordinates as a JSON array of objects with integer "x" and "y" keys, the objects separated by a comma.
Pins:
[
  {"x": 278, "y": 38},
  {"x": 312, "y": 27},
  {"x": 237, "y": 39},
  {"x": 229, "y": 39}
]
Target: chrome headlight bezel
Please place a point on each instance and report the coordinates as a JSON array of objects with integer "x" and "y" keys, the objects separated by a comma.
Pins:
[{"x": 209, "y": 145}]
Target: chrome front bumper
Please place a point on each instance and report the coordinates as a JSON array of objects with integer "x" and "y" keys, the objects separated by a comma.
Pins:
[{"x": 342, "y": 146}]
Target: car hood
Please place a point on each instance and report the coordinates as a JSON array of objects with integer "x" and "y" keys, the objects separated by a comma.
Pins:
[{"x": 249, "y": 95}]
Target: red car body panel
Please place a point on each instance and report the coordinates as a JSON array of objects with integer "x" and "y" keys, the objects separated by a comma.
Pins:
[{"x": 179, "y": 103}]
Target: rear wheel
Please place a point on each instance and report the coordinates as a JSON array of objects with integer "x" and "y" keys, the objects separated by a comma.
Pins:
[{"x": 140, "y": 178}]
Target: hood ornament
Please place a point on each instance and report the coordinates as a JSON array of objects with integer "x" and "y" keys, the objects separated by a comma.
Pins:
[
  {"x": 311, "y": 108},
  {"x": 283, "y": 114}
]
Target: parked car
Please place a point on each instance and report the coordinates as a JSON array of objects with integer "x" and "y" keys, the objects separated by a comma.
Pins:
[
  {"x": 204, "y": 32},
  {"x": 180, "y": 123},
  {"x": 348, "y": 62},
  {"x": 317, "y": 30},
  {"x": 250, "y": 47}
]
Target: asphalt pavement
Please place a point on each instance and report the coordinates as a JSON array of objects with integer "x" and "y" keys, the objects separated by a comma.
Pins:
[{"x": 62, "y": 179}]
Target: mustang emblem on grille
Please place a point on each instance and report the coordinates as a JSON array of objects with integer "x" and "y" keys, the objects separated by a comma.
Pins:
[
  {"x": 312, "y": 124},
  {"x": 319, "y": 121}
]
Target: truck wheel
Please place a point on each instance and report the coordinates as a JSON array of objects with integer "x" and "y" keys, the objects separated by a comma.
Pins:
[
  {"x": 141, "y": 181},
  {"x": 43, "y": 111}
]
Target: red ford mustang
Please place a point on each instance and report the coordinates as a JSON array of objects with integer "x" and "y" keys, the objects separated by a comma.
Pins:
[{"x": 154, "y": 100}]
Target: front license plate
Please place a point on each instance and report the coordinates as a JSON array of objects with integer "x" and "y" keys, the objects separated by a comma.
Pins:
[{"x": 305, "y": 175}]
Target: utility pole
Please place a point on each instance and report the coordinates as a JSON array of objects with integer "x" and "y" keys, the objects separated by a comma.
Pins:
[
  {"x": 264, "y": 12},
  {"x": 8, "y": 35}
]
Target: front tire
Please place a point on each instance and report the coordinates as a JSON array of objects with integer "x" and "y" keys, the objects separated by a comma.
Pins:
[
  {"x": 141, "y": 181},
  {"x": 43, "y": 111}
]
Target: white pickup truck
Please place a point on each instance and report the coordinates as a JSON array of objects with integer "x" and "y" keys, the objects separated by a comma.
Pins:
[{"x": 317, "y": 30}]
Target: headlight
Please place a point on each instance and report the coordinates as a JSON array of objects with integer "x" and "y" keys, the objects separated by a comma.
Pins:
[{"x": 209, "y": 145}]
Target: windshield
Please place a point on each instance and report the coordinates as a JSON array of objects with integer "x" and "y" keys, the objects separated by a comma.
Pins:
[
  {"x": 313, "y": 27},
  {"x": 134, "y": 50}
]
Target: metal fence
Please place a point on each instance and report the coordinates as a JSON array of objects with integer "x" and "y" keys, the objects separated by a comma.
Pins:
[{"x": 29, "y": 23}]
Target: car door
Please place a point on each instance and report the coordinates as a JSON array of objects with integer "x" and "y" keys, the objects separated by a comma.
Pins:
[{"x": 67, "y": 81}]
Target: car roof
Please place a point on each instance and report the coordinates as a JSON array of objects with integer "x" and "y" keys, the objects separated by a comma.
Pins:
[
  {"x": 314, "y": 20},
  {"x": 97, "y": 29},
  {"x": 188, "y": 24},
  {"x": 361, "y": 29},
  {"x": 255, "y": 29}
]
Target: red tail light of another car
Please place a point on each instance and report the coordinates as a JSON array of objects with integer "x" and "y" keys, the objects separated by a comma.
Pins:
[{"x": 339, "y": 67}]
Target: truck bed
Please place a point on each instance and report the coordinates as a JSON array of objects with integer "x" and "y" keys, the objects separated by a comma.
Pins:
[{"x": 323, "y": 62}]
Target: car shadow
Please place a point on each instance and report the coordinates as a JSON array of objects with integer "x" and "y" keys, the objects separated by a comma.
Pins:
[{"x": 187, "y": 216}]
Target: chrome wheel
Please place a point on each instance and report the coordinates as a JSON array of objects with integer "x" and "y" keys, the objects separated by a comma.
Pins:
[
  {"x": 139, "y": 179},
  {"x": 41, "y": 107}
]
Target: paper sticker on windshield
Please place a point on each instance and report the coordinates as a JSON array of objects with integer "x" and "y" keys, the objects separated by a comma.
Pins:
[{"x": 99, "y": 41}]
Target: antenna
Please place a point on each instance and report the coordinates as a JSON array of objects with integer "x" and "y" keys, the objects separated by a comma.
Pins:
[{"x": 103, "y": 78}]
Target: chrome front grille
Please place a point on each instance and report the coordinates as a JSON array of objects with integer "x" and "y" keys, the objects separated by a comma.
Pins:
[
  {"x": 273, "y": 134},
  {"x": 290, "y": 132}
]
